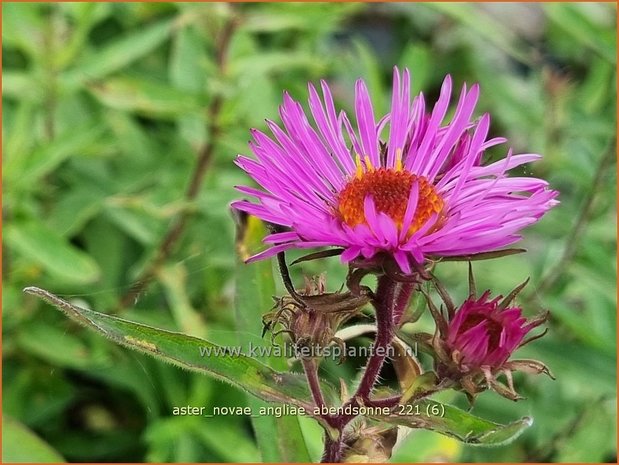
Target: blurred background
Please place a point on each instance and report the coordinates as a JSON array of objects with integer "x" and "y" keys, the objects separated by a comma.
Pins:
[{"x": 120, "y": 125}]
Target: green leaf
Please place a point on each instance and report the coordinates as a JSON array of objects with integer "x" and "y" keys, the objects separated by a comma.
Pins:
[
  {"x": 43, "y": 245},
  {"x": 73, "y": 210},
  {"x": 18, "y": 127},
  {"x": 298, "y": 16},
  {"x": 188, "y": 70},
  {"x": 20, "y": 86},
  {"x": 147, "y": 97},
  {"x": 119, "y": 54},
  {"x": 56, "y": 345},
  {"x": 135, "y": 222},
  {"x": 476, "y": 20},
  {"x": 244, "y": 448},
  {"x": 275, "y": 61},
  {"x": 174, "y": 280},
  {"x": 418, "y": 57},
  {"x": 22, "y": 27},
  {"x": 85, "y": 17},
  {"x": 577, "y": 25},
  {"x": 25, "y": 169},
  {"x": 21, "y": 445},
  {"x": 453, "y": 422},
  {"x": 186, "y": 351},
  {"x": 280, "y": 439},
  {"x": 582, "y": 446}
]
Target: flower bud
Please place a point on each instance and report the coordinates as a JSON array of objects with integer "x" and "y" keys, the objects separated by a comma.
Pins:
[
  {"x": 483, "y": 334},
  {"x": 473, "y": 345}
]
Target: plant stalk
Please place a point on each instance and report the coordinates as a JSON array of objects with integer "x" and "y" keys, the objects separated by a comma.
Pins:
[
  {"x": 390, "y": 295},
  {"x": 333, "y": 449},
  {"x": 311, "y": 372},
  {"x": 384, "y": 302},
  {"x": 401, "y": 302}
]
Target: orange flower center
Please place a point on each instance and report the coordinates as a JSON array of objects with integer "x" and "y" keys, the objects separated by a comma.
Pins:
[{"x": 390, "y": 189}]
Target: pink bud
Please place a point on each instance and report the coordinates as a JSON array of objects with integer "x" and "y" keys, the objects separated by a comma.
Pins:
[{"x": 481, "y": 333}]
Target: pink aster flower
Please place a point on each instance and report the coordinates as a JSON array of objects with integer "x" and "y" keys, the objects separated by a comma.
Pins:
[
  {"x": 482, "y": 334},
  {"x": 420, "y": 190}
]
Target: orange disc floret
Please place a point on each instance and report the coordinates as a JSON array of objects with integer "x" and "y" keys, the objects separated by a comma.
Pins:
[{"x": 390, "y": 190}]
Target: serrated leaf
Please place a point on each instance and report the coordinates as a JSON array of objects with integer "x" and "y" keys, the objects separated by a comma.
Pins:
[
  {"x": 186, "y": 351},
  {"x": 453, "y": 422},
  {"x": 44, "y": 246}
]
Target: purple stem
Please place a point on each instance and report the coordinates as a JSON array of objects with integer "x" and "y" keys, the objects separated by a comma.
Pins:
[
  {"x": 333, "y": 450},
  {"x": 388, "y": 297},
  {"x": 402, "y": 299},
  {"x": 384, "y": 302},
  {"x": 311, "y": 372}
]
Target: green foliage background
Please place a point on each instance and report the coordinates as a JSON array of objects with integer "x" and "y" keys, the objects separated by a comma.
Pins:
[{"x": 106, "y": 108}]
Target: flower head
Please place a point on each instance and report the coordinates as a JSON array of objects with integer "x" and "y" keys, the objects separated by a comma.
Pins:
[
  {"x": 474, "y": 344},
  {"x": 422, "y": 191},
  {"x": 482, "y": 334}
]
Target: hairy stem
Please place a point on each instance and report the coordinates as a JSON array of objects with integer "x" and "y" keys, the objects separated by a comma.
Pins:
[
  {"x": 384, "y": 302},
  {"x": 333, "y": 449},
  {"x": 401, "y": 302},
  {"x": 388, "y": 296},
  {"x": 311, "y": 372}
]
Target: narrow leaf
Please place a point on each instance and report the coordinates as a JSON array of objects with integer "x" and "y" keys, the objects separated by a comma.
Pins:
[
  {"x": 44, "y": 246},
  {"x": 25, "y": 169},
  {"x": 317, "y": 255},
  {"x": 119, "y": 53},
  {"x": 147, "y": 97},
  {"x": 456, "y": 423},
  {"x": 481, "y": 256},
  {"x": 190, "y": 352}
]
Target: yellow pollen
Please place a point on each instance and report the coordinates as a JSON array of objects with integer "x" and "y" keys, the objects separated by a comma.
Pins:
[
  {"x": 398, "y": 160},
  {"x": 368, "y": 164},
  {"x": 390, "y": 189},
  {"x": 359, "y": 172}
]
